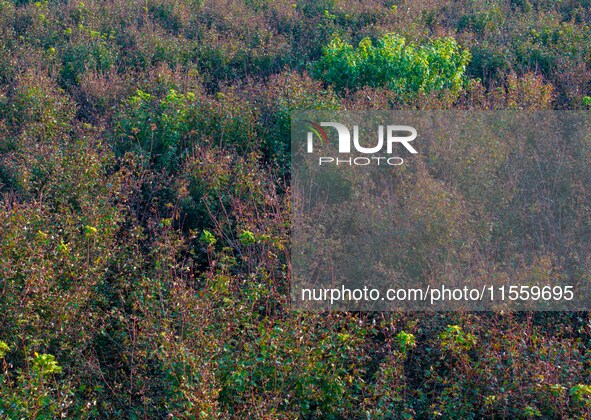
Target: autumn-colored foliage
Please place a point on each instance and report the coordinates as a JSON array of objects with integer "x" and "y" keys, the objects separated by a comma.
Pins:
[{"x": 145, "y": 216}]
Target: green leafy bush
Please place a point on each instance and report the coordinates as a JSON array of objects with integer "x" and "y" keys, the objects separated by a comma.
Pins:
[
  {"x": 164, "y": 130},
  {"x": 394, "y": 64},
  {"x": 454, "y": 339},
  {"x": 45, "y": 364},
  {"x": 405, "y": 341},
  {"x": 4, "y": 349},
  {"x": 156, "y": 128}
]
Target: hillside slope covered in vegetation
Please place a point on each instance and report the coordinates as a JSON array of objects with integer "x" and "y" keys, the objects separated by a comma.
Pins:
[{"x": 144, "y": 208}]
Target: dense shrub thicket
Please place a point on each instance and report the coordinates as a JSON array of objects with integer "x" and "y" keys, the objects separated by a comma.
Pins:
[
  {"x": 144, "y": 208},
  {"x": 403, "y": 69}
]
